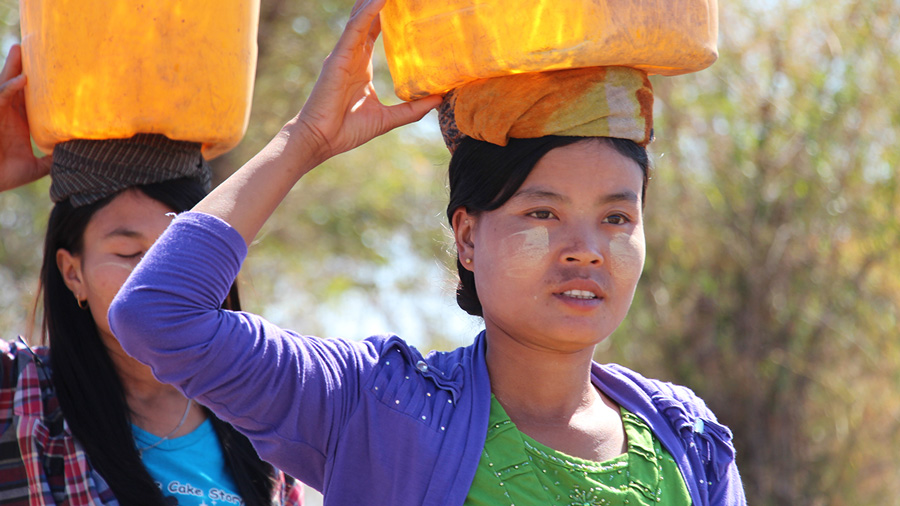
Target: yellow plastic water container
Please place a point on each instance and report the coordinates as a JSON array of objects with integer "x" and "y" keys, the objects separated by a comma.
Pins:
[
  {"x": 434, "y": 46},
  {"x": 105, "y": 69}
]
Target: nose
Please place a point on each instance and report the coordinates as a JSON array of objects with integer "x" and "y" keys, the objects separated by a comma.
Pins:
[{"x": 583, "y": 246}]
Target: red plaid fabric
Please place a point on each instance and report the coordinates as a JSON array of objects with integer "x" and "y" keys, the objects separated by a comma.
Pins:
[{"x": 40, "y": 462}]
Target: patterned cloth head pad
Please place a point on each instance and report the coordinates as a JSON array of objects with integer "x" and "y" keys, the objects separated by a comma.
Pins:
[{"x": 86, "y": 171}]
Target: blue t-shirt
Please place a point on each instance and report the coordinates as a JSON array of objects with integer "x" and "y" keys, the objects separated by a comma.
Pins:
[{"x": 190, "y": 470}]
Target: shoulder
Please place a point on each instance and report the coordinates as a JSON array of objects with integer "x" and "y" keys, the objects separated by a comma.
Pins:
[
  {"x": 391, "y": 345},
  {"x": 26, "y": 388},
  {"x": 16, "y": 358},
  {"x": 674, "y": 412},
  {"x": 662, "y": 394},
  {"x": 459, "y": 374},
  {"x": 684, "y": 424}
]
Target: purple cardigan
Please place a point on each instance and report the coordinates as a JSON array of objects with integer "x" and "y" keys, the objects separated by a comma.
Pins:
[{"x": 369, "y": 421}]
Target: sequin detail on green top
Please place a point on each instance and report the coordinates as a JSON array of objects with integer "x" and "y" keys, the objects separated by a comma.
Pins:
[{"x": 516, "y": 470}]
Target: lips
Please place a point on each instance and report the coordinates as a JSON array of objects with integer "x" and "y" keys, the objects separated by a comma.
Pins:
[{"x": 580, "y": 290}]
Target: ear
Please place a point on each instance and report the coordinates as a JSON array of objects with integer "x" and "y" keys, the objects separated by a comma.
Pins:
[
  {"x": 464, "y": 233},
  {"x": 70, "y": 267}
]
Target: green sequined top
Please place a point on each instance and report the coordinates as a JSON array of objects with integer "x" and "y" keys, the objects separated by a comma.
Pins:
[{"x": 516, "y": 470}]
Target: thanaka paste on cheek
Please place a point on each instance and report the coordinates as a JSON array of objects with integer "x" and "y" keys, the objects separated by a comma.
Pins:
[
  {"x": 121, "y": 265},
  {"x": 627, "y": 254},
  {"x": 524, "y": 250}
]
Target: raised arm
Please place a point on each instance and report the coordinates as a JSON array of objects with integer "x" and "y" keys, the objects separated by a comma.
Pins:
[
  {"x": 342, "y": 112},
  {"x": 290, "y": 394},
  {"x": 18, "y": 165}
]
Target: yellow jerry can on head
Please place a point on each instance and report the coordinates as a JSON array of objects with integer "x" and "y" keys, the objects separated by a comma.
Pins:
[
  {"x": 107, "y": 69},
  {"x": 435, "y": 46}
]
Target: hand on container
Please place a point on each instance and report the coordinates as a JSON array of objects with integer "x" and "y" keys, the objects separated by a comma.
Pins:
[
  {"x": 18, "y": 165},
  {"x": 343, "y": 111}
]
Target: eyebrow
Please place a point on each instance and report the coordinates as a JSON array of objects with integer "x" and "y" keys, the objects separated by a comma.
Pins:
[
  {"x": 625, "y": 196},
  {"x": 123, "y": 232},
  {"x": 538, "y": 193}
]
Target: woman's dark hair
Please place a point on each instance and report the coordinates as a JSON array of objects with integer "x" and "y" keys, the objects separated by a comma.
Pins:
[
  {"x": 483, "y": 176},
  {"x": 90, "y": 393}
]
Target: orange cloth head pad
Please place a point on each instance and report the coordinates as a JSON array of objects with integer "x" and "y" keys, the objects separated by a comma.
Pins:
[{"x": 584, "y": 102}]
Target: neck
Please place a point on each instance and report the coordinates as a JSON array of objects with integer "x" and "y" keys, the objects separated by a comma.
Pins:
[
  {"x": 557, "y": 385},
  {"x": 155, "y": 407},
  {"x": 549, "y": 396}
]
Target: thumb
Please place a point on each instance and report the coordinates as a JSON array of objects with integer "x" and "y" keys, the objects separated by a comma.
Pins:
[{"x": 410, "y": 112}]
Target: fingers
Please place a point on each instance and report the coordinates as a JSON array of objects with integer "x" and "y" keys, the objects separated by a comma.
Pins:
[
  {"x": 367, "y": 5},
  {"x": 11, "y": 78},
  {"x": 374, "y": 29},
  {"x": 9, "y": 88},
  {"x": 13, "y": 65},
  {"x": 361, "y": 25}
]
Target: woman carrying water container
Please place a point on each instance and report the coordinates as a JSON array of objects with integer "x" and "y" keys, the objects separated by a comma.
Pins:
[
  {"x": 82, "y": 422},
  {"x": 548, "y": 226}
]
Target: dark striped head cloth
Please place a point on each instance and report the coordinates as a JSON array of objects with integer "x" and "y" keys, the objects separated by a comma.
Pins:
[{"x": 85, "y": 171}]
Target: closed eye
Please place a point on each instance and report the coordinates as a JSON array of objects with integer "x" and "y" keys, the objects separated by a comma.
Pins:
[{"x": 133, "y": 255}]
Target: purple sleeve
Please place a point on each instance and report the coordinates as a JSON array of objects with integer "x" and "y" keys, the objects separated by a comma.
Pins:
[{"x": 289, "y": 394}]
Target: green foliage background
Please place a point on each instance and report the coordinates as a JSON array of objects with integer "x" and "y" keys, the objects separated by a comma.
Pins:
[{"x": 772, "y": 285}]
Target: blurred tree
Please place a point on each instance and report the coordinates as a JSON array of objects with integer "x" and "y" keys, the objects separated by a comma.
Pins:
[{"x": 773, "y": 277}]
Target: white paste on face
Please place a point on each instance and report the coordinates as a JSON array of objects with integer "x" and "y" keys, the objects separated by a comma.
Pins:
[
  {"x": 627, "y": 252},
  {"x": 525, "y": 250},
  {"x": 127, "y": 267}
]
